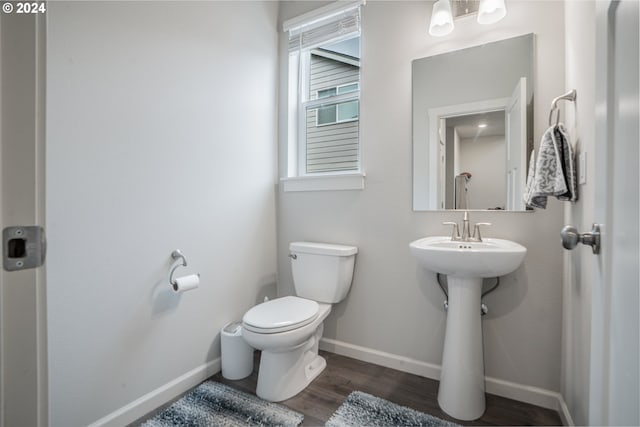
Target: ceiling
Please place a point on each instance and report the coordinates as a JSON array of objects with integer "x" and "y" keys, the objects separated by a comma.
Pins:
[{"x": 467, "y": 126}]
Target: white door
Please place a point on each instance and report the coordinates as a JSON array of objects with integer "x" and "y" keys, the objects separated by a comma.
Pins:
[
  {"x": 615, "y": 357},
  {"x": 516, "y": 143},
  {"x": 23, "y": 362},
  {"x": 442, "y": 164}
]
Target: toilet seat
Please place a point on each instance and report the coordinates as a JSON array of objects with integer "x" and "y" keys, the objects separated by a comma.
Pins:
[{"x": 280, "y": 315}]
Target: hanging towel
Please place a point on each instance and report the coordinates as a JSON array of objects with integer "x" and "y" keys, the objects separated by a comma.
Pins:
[
  {"x": 527, "y": 198},
  {"x": 554, "y": 173},
  {"x": 460, "y": 191}
]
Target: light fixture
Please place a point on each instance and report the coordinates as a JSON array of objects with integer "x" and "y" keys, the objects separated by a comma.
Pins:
[
  {"x": 445, "y": 11},
  {"x": 491, "y": 11},
  {"x": 482, "y": 125},
  {"x": 441, "y": 19}
]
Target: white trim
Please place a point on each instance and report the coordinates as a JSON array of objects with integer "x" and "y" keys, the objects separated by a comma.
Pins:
[
  {"x": 524, "y": 393},
  {"x": 293, "y": 115},
  {"x": 335, "y": 57},
  {"x": 2, "y": 375},
  {"x": 40, "y": 216},
  {"x": 333, "y": 181},
  {"x": 331, "y": 100},
  {"x": 388, "y": 360},
  {"x": 520, "y": 392},
  {"x": 303, "y": 89},
  {"x": 565, "y": 414},
  {"x": 320, "y": 14},
  {"x": 156, "y": 398}
]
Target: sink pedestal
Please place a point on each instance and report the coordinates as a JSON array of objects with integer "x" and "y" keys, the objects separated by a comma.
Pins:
[
  {"x": 465, "y": 263},
  {"x": 461, "y": 392}
]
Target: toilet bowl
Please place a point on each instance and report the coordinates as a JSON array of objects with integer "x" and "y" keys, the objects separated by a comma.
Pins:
[
  {"x": 289, "y": 360},
  {"x": 288, "y": 329}
]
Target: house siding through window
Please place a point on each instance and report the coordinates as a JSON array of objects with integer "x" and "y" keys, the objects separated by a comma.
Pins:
[{"x": 331, "y": 147}]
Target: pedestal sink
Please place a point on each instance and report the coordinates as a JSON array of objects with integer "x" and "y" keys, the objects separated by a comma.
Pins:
[{"x": 461, "y": 392}]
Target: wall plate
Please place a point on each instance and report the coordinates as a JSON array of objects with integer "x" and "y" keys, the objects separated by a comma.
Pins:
[{"x": 582, "y": 168}]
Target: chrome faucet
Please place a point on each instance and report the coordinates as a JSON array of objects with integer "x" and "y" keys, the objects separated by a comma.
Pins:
[
  {"x": 465, "y": 227},
  {"x": 476, "y": 231},
  {"x": 455, "y": 233},
  {"x": 466, "y": 235}
]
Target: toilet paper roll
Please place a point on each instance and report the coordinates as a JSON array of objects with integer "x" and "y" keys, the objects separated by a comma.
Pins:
[{"x": 186, "y": 283}]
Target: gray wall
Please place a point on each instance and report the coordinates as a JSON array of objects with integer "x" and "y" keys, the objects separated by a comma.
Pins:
[
  {"x": 394, "y": 306},
  {"x": 149, "y": 149},
  {"x": 481, "y": 156},
  {"x": 471, "y": 75}
]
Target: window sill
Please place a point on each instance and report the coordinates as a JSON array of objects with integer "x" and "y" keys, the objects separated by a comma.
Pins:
[{"x": 351, "y": 181}]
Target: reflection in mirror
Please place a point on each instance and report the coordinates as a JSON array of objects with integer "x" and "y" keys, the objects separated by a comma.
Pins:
[
  {"x": 471, "y": 132},
  {"x": 471, "y": 145}
]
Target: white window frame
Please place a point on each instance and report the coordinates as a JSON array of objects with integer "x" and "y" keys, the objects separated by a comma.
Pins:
[{"x": 297, "y": 178}]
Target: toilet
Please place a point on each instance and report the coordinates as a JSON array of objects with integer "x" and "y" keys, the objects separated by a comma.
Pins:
[{"x": 288, "y": 329}]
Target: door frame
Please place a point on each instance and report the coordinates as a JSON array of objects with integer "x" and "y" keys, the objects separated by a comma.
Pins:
[{"x": 23, "y": 314}]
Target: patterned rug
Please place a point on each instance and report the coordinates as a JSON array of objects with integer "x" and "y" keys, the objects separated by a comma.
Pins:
[
  {"x": 362, "y": 409},
  {"x": 215, "y": 404}
]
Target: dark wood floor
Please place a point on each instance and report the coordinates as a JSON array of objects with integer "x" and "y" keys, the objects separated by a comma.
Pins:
[{"x": 344, "y": 375}]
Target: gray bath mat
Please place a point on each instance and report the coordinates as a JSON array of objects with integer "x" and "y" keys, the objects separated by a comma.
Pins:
[
  {"x": 215, "y": 404},
  {"x": 362, "y": 409}
]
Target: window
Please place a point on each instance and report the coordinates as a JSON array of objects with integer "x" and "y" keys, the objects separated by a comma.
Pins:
[
  {"x": 338, "y": 113},
  {"x": 324, "y": 86}
]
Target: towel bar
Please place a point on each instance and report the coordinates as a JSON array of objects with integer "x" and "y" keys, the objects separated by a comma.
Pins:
[{"x": 569, "y": 96}]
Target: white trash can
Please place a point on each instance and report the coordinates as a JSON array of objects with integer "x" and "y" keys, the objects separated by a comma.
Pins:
[{"x": 236, "y": 354}]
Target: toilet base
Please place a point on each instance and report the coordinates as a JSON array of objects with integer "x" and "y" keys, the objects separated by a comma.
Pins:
[{"x": 282, "y": 375}]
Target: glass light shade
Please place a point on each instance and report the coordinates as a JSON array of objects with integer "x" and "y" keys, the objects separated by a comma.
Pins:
[
  {"x": 441, "y": 19},
  {"x": 491, "y": 11}
]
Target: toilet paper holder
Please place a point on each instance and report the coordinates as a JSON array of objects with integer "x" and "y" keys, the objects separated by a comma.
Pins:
[{"x": 176, "y": 255}]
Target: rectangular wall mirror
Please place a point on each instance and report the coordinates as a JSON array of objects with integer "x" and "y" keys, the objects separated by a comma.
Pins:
[{"x": 472, "y": 126}]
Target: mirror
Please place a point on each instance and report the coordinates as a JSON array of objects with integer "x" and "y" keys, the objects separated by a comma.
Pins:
[{"x": 472, "y": 126}]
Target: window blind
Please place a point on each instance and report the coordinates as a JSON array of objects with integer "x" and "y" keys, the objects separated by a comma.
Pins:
[{"x": 335, "y": 27}]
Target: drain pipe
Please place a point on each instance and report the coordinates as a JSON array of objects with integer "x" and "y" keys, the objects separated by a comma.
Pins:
[{"x": 483, "y": 307}]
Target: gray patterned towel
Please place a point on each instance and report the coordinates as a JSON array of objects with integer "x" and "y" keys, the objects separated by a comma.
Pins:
[{"x": 554, "y": 172}]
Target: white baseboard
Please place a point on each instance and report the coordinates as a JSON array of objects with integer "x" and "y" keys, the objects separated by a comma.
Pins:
[
  {"x": 523, "y": 393},
  {"x": 156, "y": 398},
  {"x": 565, "y": 414},
  {"x": 152, "y": 400},
  {"x": 400, "y": 363}
]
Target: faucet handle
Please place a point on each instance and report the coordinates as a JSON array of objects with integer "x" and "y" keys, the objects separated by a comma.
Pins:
[
  {"x": 476, "y": 230},
  {"x": 455, "y": 233}
]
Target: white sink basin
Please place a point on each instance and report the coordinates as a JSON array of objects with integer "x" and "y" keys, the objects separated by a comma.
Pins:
[
  {"x": 461, "y": 389},
  {"x": 489, "y": 258}
]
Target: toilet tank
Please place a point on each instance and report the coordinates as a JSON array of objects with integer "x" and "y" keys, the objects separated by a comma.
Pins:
[{"x": 322, "y": 271}]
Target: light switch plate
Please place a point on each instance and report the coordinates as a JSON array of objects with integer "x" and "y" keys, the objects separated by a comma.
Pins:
[{"x": 582, "y": 168}]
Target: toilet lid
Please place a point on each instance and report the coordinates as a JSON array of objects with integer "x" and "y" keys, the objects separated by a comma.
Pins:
[{"x": 280, "y": 315}]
